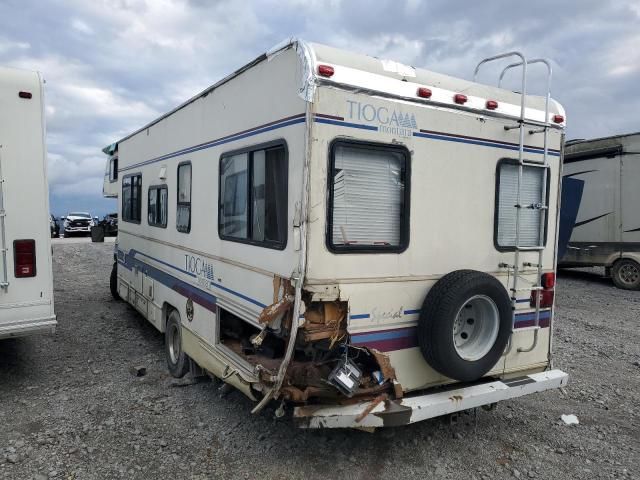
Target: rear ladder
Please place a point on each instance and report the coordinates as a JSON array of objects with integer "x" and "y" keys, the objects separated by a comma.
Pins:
[
  {"x": 528, "y": 127},
  {"x": 4, "y": 281}
]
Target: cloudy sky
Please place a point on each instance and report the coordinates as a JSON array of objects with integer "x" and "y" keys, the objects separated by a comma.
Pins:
[{"x": 113, "y": 65}]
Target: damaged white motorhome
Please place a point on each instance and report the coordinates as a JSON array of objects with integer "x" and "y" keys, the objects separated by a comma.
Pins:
[
  {"x": 26, "y": 277},
  {"x": 371, "y": 243}
]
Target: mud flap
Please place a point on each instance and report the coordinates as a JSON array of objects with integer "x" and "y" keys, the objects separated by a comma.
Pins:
[{"x": 391, "y": 413}]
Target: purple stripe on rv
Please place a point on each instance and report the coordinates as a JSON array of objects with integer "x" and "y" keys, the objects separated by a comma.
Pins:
[{"x": 407, "y": 337}]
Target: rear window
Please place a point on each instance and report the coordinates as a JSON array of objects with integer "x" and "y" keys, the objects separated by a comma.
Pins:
[
  {"x": 368, "y": 198},
  {"x": 533, "y": 219}
]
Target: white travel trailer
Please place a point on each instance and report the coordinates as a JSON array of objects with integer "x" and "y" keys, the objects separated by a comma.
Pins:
[
  {"x": 26, "y": 279},
  {"x": 369, "y": 242},
  {"x": 604, "y": 175}
]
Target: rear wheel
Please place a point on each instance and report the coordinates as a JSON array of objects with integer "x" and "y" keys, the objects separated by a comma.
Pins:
[
  {"x": 177, "y": 360},
  {"x": 113, "y": 282},
  {"x": 626, "y": 274}
]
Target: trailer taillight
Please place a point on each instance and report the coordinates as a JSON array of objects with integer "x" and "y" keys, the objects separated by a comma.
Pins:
[
  {"x": 548, "y": 283},
  {"x": 325, "y": 70},
  {"x": 460, "y": 99},
  {"x": 548, "y": 280},
  {"x": 424, "y": 92},
  {"x": 491, "y": 104},
  {"x": 24, "y": 254},
  {"x": 558, "y": 119}
]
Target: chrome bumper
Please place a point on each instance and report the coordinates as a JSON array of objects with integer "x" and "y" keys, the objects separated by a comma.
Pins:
[{"x": 413, "y": 409}]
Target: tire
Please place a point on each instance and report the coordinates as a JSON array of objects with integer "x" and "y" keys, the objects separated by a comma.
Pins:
[
  {"x": 113, "y": 282},
  {"x": 465, "y": 324},
  {"x": 626, "y": 274},
  {"x": 177, "y": 360}
]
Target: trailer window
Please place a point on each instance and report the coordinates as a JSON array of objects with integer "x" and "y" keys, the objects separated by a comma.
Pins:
[
  {"x": 113, "y": 169},
  {"x": 157, "y": 206},
  {"x": 531, "y": 197},
  {"x": 131, "y": 198},
  {"x": 183, "y": 212},
  {"x": 253, "y": 197},
  {"x": 368, "y": 198}
]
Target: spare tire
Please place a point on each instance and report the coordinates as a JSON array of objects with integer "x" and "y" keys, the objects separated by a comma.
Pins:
[{"x": 465, "y": 324}]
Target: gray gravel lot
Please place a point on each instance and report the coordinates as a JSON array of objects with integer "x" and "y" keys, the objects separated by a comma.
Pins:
[{"x": 70, "y": 407}]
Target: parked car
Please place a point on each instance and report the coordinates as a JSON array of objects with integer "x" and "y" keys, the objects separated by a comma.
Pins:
[
  {"x": 54, "y": 227},
  {"x": 78, "y": 223},
  {"x": 110, "y": 224}
]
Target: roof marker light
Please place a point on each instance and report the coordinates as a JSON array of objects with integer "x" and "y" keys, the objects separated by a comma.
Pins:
[
  {"x": 460, "y": 99},
  {"x": 491, "y": 104},
  {"x": 424, "y": 92},
  {"x": 325, "y": 70},
  {"x": 24, "y": 94},
  {"x": 558, "y": 119}
]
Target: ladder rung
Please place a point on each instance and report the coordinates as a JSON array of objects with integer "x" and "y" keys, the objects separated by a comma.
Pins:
[
  {"x": 527, "y": 289},
  {"x": 533, "y": 206},
  {"x": 535, "y": 164}
]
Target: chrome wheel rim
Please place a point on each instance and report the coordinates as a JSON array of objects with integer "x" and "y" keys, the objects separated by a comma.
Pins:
[
  {"x": 629, "y": 274},
  {"x": 174, "y": 343},
  {"x": 475, "y": 328}
]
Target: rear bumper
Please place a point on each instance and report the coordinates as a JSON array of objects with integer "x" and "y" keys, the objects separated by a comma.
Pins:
[
  {"x": 413, "y": 409},
  {"x": 28, "y": 327}
]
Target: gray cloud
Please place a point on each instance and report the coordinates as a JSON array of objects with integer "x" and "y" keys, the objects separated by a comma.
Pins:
[{"x": 113, "y": 65}]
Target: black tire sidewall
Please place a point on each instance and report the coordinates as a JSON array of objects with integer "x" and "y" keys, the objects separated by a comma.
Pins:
[
  {"x": 180, "y": 368},
  {"x": 615, "y": 274},
  {"x": 113, "y": 282},
  {"x": 438, "y": 314}
]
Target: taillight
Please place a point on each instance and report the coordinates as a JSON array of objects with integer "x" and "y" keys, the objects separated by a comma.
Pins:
[
  {"x": 424, "y": 92},
  {"x": 546, "y": 298},
  {"x": 24, "y": 253},
  {"x": 460, "y": 99},
  {"x": 548, "y": 282}
]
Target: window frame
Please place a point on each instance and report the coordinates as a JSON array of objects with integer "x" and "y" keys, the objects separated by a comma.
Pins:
[
  {"x": 113, "y": 169},
  {"x": 249, "y": 150},
  {"x": 178, "y": 202},
  {"x": 158, "y": 187},
  {"x": 131, "y": 175},
  {"x": 405, "y": 217},
  {"x": 512, "y": 248}
]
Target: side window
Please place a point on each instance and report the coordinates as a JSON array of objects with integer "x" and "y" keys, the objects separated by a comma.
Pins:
[
  {"x": 531, "y": 198},
  {"x": 183, "y": 212},
  {"x": 113, "y": 169},
  {"x": 368, "y": 198},
  {"x": 131, "y": 198},
  {"x": 253, "y": 197},
  {"x": 157, "y": 206}
]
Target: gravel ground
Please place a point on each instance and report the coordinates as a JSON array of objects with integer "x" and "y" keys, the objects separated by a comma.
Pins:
[{"x": 71, "y": 408}]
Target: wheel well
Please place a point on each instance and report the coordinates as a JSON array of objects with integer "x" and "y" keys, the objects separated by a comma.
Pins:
[{"x": 167, "y": 308}]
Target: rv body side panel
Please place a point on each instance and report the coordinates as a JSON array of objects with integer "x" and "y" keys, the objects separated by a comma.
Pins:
[
  {"x": 26, "y": 302},
  {"x": 607, "y": 227},
  {"x": 160, "y": 268},
  {"x": 454, "y": 157}
]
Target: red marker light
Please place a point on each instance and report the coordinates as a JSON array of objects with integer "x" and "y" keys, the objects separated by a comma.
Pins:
[
  {"x": 491, "y": 104},
  {"x": 558, "y": 119},
  {"x": 24, "y": 94},
  {"x": 424, "y": 92},
  {"x": 548, "y": 280},
  {"x": 460, "y": 99},
  {"x": 325, "y": 70}
]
